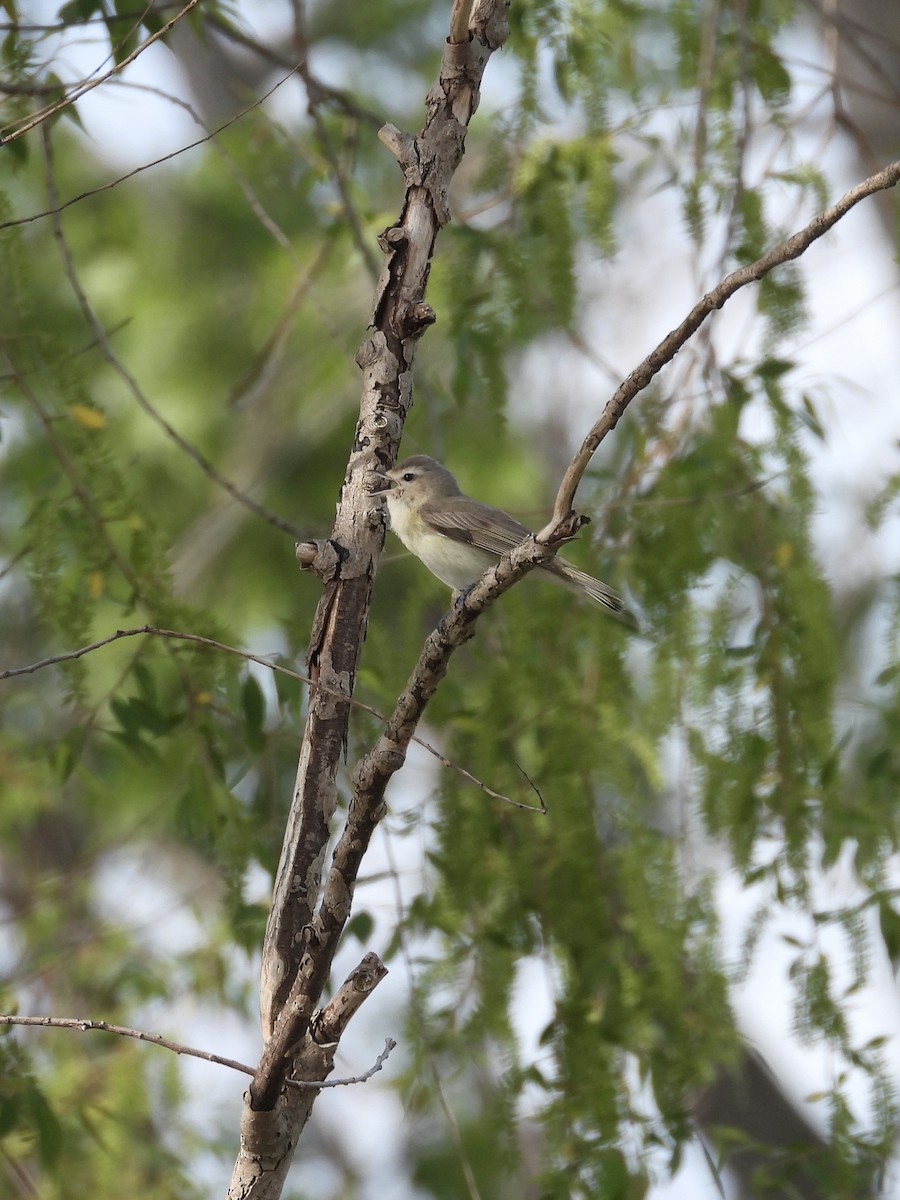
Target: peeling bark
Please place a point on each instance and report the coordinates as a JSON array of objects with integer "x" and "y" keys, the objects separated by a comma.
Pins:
[{"x": 300, "y": 941}]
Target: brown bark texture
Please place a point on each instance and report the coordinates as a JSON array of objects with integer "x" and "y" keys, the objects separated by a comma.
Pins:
[{"x": 305, "y": 921}]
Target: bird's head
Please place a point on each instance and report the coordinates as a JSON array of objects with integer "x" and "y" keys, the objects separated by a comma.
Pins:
[{"x": 416, "y": 481}]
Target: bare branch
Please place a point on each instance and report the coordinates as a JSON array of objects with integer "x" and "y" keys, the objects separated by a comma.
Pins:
[
  {"x": 82, "y": 89},
  {"x": 212, "y": 644},
  {"x": 329, "y": 1024},
  {"x": 401, "y": 145},
  {"x": 324, "y": 93},
  {"x": 367, "y": 806},
  {"x": 140, "y": 1035},
  {"x": 63, "y": 26},
  {"x": 642, "y": 375},
  {"x": 459, "y": 21},
  {"x": 300, "y": 942},
  {"x": 84, "y": 1025},
  {"x": 105, "y": 187},
  {"x": 268, "y": 1136}
]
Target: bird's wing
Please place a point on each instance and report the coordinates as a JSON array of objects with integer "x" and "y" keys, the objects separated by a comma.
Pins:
[{"x": 496, "y": 537}]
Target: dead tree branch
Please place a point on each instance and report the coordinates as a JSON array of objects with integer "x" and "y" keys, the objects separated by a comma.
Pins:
[
  {"x": 296, "y": 958},
  {"x": 277, "y": 668},
  {"x": 370, "y": 779},
  {"x": 87, "y": 1025},
  {"x": 269, "y": 1136}
]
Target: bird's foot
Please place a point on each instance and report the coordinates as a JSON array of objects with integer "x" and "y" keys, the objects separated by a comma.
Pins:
[{"x": 458, "y": 600}]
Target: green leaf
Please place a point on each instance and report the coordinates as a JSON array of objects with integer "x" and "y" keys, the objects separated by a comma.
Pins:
[
  {"x": 771, "y": 77},
  {"x": 253, "y": 704},
  {"x": 76, "y": 11},
  {"x": 889, "y": 923},
  {"x": 136, "y": 715},
  {"x": 152, "y": 21},
  {"x": 360, "y": 926},
  {"x": 49, "y": 1130},
  {"x": 72, "y": 748},
  {"x": 810, "y": 418}
]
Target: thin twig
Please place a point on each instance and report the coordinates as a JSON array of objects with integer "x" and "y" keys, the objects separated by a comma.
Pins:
[
  {"x": 324, "y": 92},
  {"x": 129, "y": 380},
  {"x": 66, "y": 26},
  {"x": 243, "y": 181},
  {"x": 534, "y": 787},
  {"x": 642, "y": 375},
  {"x": 105, "y": 187},
  {"x": 313, "y": 100},
  {"x": 89, "y": 85},
  {"x": 212, "y": 644},
  {"x": 141, "y": 1035}
]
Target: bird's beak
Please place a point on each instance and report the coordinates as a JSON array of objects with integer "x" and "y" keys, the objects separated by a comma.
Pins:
[{"x": 383, "y": 484}]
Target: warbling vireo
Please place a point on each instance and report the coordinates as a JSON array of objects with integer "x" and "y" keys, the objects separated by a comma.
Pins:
[{"x": 458, "y": 538}]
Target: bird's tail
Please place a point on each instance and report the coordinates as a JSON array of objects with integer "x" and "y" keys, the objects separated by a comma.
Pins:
[{"x": 580, "y": 582}]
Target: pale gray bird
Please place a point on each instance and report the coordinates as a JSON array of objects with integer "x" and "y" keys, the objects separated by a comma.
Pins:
[{"x": 458, "y": 538}]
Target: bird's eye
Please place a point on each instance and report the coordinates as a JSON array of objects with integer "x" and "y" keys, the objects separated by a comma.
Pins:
[{"x": 408, "y": 477}]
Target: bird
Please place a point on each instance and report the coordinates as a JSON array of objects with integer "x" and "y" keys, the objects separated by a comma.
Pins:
[{"x": 458, "y": 538}]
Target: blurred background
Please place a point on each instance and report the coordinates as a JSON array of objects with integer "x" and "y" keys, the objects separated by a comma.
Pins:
[{"x": 680, "y": 980}]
